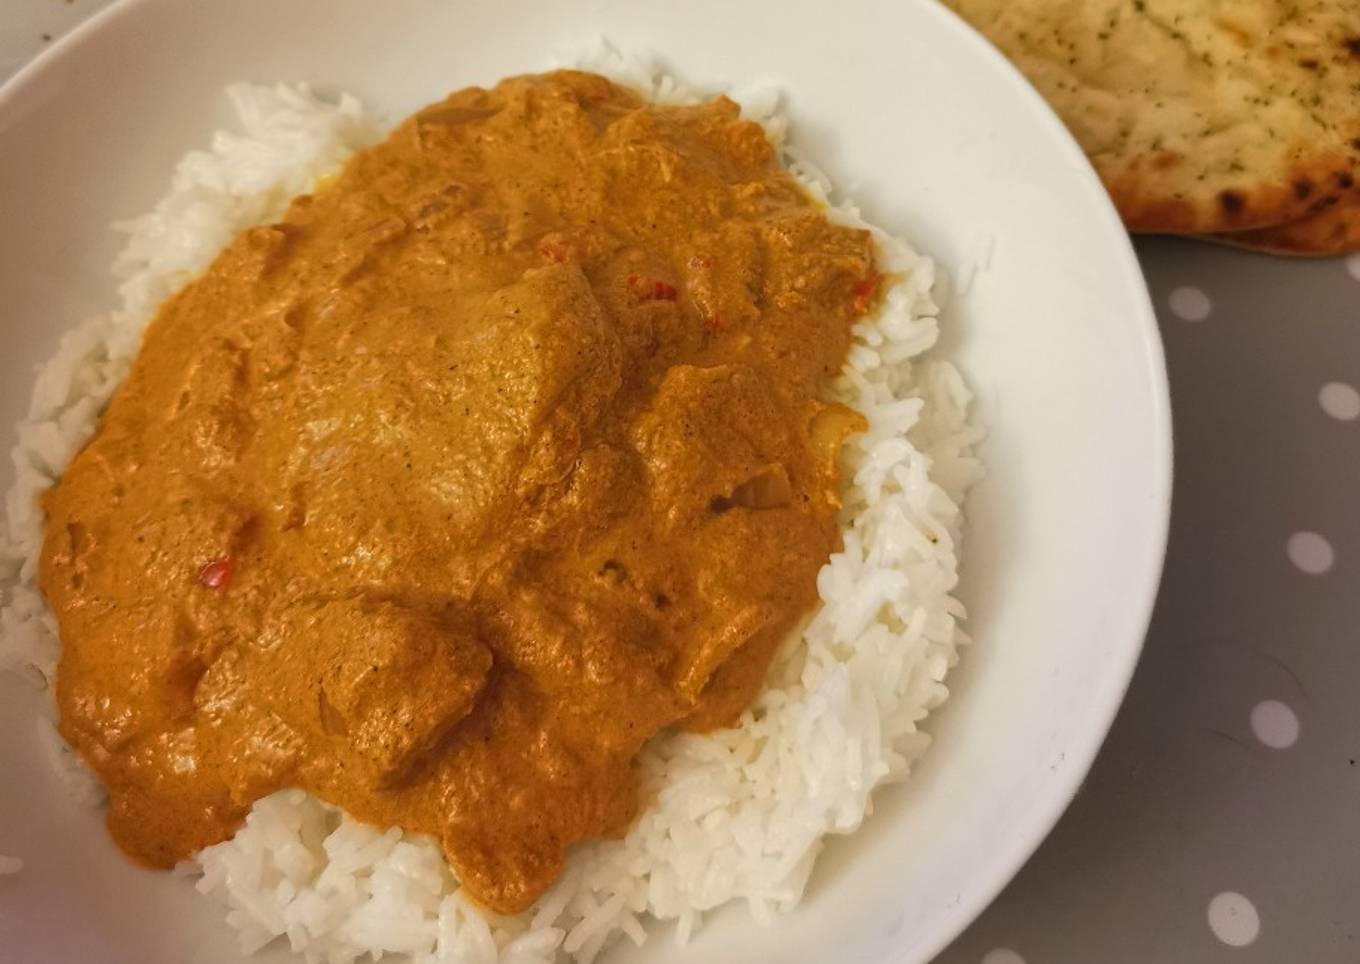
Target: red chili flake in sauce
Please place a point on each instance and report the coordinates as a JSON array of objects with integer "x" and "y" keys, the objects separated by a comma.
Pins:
[
  {"x": 652, "y": 288},
  {"x": 216, "y": 574},
  {"x": 864, "y": 292},
  {"x": 554, "y": 251},
  {"x": 714, "y": 323}
]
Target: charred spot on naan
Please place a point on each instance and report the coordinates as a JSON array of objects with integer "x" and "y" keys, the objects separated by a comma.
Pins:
[{"x": 1334, "y": 229}]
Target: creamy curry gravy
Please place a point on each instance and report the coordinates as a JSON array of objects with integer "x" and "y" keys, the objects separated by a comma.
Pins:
[{"x": 441, "y": 496}]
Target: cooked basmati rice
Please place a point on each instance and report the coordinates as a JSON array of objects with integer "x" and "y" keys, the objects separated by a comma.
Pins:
[{"x": 736, "y": 815}]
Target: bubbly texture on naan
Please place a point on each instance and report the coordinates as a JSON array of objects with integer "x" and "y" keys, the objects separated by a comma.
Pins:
[{"x": 1201, "y": 116}]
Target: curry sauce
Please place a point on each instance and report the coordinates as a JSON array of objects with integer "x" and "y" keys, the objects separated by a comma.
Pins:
[{"x": 441, "y": 496}]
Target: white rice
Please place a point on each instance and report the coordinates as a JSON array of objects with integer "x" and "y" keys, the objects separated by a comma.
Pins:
[{"x": 739, "y": 814}]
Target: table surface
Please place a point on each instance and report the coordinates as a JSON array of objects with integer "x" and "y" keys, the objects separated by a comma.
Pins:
[{"x": 1220, "y": 821}]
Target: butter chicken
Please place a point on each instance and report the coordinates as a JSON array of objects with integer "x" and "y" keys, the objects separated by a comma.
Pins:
[{"x": 440, "y": 497}]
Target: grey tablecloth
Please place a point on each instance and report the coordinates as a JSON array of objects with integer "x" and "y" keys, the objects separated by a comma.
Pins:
[{"x": 1222, "y": 819}]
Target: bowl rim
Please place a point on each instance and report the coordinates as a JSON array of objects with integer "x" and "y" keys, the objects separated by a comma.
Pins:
[{"x": 1123, "y": 660}]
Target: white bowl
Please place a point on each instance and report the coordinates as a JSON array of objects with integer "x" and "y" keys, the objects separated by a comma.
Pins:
[{"x": 940, "y": 140}]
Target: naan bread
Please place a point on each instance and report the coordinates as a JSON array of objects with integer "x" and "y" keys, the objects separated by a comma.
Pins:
[
  {"x": 1200, "y": 115},
  {"x": 1335, "y": 230}
]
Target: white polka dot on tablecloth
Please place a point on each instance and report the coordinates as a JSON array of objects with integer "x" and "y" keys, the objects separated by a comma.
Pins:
[
  {"x": 1340, "y": 401},
  {"x": 1189, "y": 304},
  {"x": 1353, "y": 266},
  {"x": 1275, "y": 724},
  {"x": 1310, "y": 552},
  {"x": 1233, "y": 919},
  {"x": 1002, "y": 955}
]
